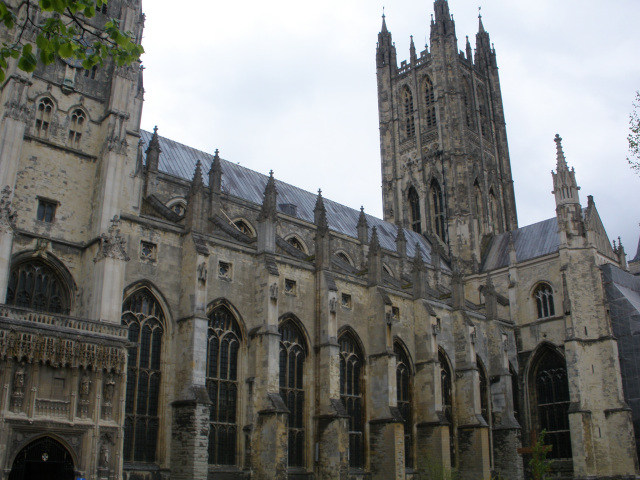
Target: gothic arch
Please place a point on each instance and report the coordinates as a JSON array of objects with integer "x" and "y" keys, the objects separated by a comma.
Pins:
[
  {"x": 447, "y": 393},
  {"x": 349, "y": 330},
  {"x": 352, "y": 392},
  {"x": 485, "y": 399},
  {"x": 68, "y": 473},
  {"x": 37, "y": 264},
  {"x": 296, "y": 242},
  {"x": 543, "y": 302},
  {"x": 223, "y": 302},
  {"x": 178, "y": 205},
  {"x": 44, "y": 112},
  {"x": 547, "y": 394},
  {"x": 438, "y": 210},
  {"x": 429, "y": 102},
  {"x": 345, "y": 257},
  {"x": 147, "y": 319},
  {"x": 156, "y": 292},
  {"x": 404, "y": 395},
  {"x": 408, "y": 108},
  {"x": 244, "y": 226},
  {"x": 414, "y": 203}
]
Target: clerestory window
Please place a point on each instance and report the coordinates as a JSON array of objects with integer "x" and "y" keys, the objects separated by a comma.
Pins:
[{"x": 544, "y": 301}]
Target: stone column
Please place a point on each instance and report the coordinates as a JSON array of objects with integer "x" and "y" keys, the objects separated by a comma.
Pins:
[
  {"x": 333, "y": 433},
  {"x": 433, "y": 454},
  {"x": 473, "y": 450},
  {"x": 268, "y": 455},
  {"x": 190, "y": 428},
  {"x": 7, "y": 222}
]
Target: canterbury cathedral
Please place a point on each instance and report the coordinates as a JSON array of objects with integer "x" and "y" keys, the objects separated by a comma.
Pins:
[{"x": 166, "y": 313}]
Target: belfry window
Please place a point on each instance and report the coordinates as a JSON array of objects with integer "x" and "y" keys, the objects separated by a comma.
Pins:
[
  {"x": 43, "y": 117},
  {"x": 552, "y": 403},
  {"x": 485, "y": 126},
  {"x": 410, "y": 124},
  {"x": 429, "y": 101},
  {"x": 544, "y": 301},
  {"x": 223, "y": 347},
  {"x": 414, "y": 205},
  {"x": 403, "y": 393},
  {"x": 34, "y": 284},
  {"x": 143, "y": 316},
  {"x": 293, "y": 353},
  {"x": 467, "y": 98},
  {"x": 351, "y": 365},
  {"x": 437, "y": 207},
  {"x": 76, "y": 127}
]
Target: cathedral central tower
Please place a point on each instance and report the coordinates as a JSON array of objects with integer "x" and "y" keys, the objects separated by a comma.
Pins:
[{"x": 445, "y": 161}]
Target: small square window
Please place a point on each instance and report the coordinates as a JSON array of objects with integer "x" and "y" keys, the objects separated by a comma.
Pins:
[
  {"x": 290, "y": 287},
  {"x": 346, "y": 301},
  {"x": 224, "y": 270},
  {"x": 46, "y": 210},
  {"x": 148, "y": 251},
  {"x": 395, "y": 313}
]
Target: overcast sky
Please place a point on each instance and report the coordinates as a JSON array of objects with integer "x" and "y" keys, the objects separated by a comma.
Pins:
[{"x": 290, "y": 85}]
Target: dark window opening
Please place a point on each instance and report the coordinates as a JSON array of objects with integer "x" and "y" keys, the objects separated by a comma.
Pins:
[
  {"x": 351, "y": 365},
  {"x": 46, "y": 210},
  {"x": 404, "y": 400},
  {"x": 447, "y": 402},
  {"x": 43, "y": 117},
  {"x": 410, "y": 124},
  {"x": 222, "y": 385},
  {"x": 544, "y": 301},
  {"x": 414, "y": 205},
  {"x": 430, "y": 100},
  {"x": 292, "y": 358},
  {"x": 37, "y": 286},
  {"x": 438, "y": 210},
  {"x": 142, "y": 314}
]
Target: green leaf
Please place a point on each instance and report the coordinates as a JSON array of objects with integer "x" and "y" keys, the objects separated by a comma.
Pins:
[
  {"x": 66, "y": 50},
  {"x": 27, "y": 62}
]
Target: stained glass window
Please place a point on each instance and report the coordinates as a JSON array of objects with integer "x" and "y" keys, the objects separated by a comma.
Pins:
[
  {"x": 292, "y": 357},
  {"x": 351, "y": 365},
  {"x": 403, "y": 390},
  {"x": 447, "y": 401},
  {"x": 414, "y": 204},
  {"x": 144, "y": 317},
  {"x": 34, "y": 284},
  {"x": 222, "y": 384}
]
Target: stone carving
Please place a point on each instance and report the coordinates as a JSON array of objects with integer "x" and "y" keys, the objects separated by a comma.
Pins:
[
  {"x": 17, "y": 395},
  {"x": 112, "y": 245},
  {"x": 108, "y": 391},
  {"x": 84, "y": 390},
  {"x": 333, "y": 304},
  {"x": 273, "y": 291},
  {"x": 7, "y": 216},
  {"x": 202, "y": 272}
]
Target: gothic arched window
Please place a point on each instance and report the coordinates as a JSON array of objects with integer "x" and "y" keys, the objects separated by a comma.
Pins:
[
  {"x": 44, "y": 112},
  {"x": 76, "y": 127},
  {"x": 351, "y": 366},
  {"x": 403, "y": 392},
  {"x": 143, "y": 316},
  {"x": 544, "y": 301},
  {"x": 414, "y": 205},
  {"x": 34, "y": 284},
  {"x": 223, "y": 346},
  {"x": 429, "y": 101},
  {"x": 552, "y": 403},
  {"x": 293, "y": 353},
  {"x": 447, "y": 400},
  {"x": 410, "y": 124},
  {"x": 437, "y": 206}
]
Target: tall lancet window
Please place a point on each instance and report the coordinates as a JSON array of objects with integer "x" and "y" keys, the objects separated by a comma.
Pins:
[
  {"x": 414, "y": 206},
  {"x": 437, "y": 210},
  {"x": 43, "y": 117},
  {"x": 410, "y": 123},
  {"x": 403, "y": 393},
  {"x": 351, "y": 366},
  {"x": 430, "y": 101},
  {"x": 552, "y": 402},
  {"x": 293, "y": 352},
  {"x": 544, "y": 301},
  {"x": 143, "y": 316},
  {"x": 446, "y": 390},
  {"x": 222, "y": 384},
  {"x": 76, "y": 127},
  {"x": 467, "y": 98},
  {"x": 483, "y": 103}
]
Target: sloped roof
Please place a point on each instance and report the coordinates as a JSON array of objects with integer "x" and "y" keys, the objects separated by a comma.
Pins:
[
  {"x": 180, "y": 160},
  {"x": 530, "y": 242}
]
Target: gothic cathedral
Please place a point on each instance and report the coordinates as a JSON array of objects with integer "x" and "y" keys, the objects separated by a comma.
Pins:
[{"x": 168, "y": 314}]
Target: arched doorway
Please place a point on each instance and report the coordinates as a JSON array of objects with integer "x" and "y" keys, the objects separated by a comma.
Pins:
[{"x": 44, "y": 459}]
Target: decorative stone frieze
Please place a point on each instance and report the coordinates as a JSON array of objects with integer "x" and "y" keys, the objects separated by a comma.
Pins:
[{"x": 112, "y": 245}]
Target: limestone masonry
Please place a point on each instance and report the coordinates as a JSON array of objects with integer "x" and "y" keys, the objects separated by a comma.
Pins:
[{"x": 168, "y": 314}]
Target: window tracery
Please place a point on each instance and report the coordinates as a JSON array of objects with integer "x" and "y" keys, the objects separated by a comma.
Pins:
[
  {"x": 404, "y": 400},
  {"x": 544, "y": 301},
  {"x": 143, "y": 316},
  {"x": 293, "y": 353},
  {"x": 552, "y": 403},
  {"x": 44, "y": 112},
  {"x": 414, "y": 206},
  {"x": 351, "y": 365},
  {"x": 447, "y": 400},
  {"x": 34, "y": 284},
  {"x": 410, "y": 124},
  {"x": 223, "y": 348},
  {"x": 430, "y": 100},
  {"x": 76, "y": 127},
  {"x": 243, "y": 227}
]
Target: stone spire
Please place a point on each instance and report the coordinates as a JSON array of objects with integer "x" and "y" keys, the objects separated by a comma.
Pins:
[
  {"x": 153, "y": 151},
  {"x": 268, "y": 209},
  {"x": 565, "y": 187},
  {"x": 197, "y": 181},
  {"x": 363, "y": 228},
  {"x": 215, "y": 173},
  {"x": 386, "y": 50},
  {"x": 412, "y": 52},
  {"x": 375, "y": 259},
  {"x": 443, "y": 24},
  {"x": 401, "y": 243},
  {"x": 484, "y": 54},
  {"x": 194, "y": 218},
  {"x": 320, "y": 215}
]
